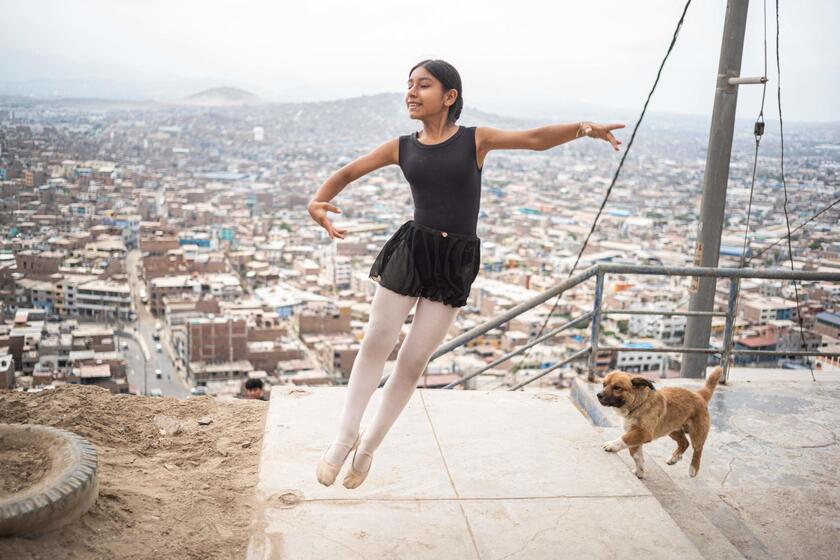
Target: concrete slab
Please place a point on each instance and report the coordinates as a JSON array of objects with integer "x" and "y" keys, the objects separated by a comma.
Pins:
[
  {"x": 687, "y": 513},
  {"x": 339, "y": 529},
  {"x": 606, "y": 527},
  {"x": 302, "y": 423},
  {"x": 462, "y": 474},
  {"x": 548, "y": 448},
  {"x": 767, "y": 431},
  {"x": 768, "y": 479},
  {"x": 770, "y": 460}
]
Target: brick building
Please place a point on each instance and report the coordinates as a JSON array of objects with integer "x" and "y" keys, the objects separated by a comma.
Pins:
[
  {"x": 38, "y": 264},
  {"x": 217, "y": 340},
  {"x": 324, "y": 318}
]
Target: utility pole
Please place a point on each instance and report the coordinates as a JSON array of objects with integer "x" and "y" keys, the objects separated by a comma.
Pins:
[{"x": 716, "y": 176}]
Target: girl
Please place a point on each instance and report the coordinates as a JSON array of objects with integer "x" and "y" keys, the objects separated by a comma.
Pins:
[{"x": 431, "y": 260}]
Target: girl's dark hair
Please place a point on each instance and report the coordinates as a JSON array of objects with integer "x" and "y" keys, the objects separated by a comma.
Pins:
[{"x": 449, "y": 77}]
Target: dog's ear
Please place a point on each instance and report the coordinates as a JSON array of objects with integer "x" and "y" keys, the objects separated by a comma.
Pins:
[{"x": 642, "y": 382}]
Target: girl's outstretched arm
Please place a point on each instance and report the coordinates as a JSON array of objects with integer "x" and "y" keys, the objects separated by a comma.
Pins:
[
  {"x": 385, "y": 154},
  {"x": 541, "y": 138}
]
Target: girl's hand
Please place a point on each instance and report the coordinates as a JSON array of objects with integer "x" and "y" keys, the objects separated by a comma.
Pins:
[
  {"x": 318, "y": 211},
  {"x": 594, "y": 130}
]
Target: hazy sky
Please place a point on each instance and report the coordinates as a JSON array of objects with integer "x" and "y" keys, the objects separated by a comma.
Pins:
[{"x": 515, "y": 57}]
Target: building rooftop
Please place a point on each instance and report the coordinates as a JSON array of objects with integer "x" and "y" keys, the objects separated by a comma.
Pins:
[
  {"x": 758, "y": 341},
  {"x": 106, "y": 286},
  {"x": 637, "y": 345},
  {"x": 184, "y": 280},
  {"x": 831, "y": 318},
  {"x": 95, "y": 371}
]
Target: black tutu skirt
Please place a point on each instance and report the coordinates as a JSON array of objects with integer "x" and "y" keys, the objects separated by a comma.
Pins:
[{"x": 422, "y": 261}]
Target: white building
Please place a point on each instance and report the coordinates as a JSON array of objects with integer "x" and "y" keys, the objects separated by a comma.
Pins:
[
  {"x": 337, "y": 269},
  {"x": 105, "y": 299},
  {"x": 669, "y": 330},
  {"x": 637, "y": 362}
]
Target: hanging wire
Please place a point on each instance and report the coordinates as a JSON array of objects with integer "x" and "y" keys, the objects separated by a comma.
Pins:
[
  {"x": 784, "y": 185},
  {"x": 612, "y": 184},
  {"x": 819, "y": 213},
  {"x": 758, "y": 132}
]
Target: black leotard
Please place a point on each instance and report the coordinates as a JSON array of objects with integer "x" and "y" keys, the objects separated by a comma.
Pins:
[{"x": 445, "y": 180}]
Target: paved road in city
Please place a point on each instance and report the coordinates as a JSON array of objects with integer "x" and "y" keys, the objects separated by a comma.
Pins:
[{"x": 171, "y": 383}]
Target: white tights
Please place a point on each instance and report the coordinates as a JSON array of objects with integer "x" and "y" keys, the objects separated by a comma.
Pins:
[{"x": 389, "y": 310}]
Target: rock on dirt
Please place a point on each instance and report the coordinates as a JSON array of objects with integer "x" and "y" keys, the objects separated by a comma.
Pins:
[{"x": 168, "y": 426}]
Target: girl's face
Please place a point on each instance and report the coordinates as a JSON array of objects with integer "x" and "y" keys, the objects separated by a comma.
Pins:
[{"x": 425, "y": 95}]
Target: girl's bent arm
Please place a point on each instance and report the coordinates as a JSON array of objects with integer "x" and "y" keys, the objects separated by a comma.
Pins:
[{"x": 385, "y": 154}]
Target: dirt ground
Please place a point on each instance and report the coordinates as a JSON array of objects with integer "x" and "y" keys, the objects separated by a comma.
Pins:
[
  {"x": 169, "y": 486},
  {"x": 22, "y": 466}
]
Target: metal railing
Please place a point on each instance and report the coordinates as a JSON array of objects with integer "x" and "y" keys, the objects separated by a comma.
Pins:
[{"x": 593, "y": 317}]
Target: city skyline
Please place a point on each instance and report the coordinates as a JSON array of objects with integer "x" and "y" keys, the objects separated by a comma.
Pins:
[{"x": 163, "y": 52}]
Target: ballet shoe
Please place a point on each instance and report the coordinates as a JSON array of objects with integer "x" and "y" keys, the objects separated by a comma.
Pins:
[
  {"x": 326, "y": 471},
  {"x": 354, "y": 478}
]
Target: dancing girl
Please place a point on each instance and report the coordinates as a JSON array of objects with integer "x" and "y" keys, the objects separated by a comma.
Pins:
[{"x": 431, "y": 260}]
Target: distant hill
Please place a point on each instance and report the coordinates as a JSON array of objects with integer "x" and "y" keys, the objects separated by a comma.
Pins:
[{"x": 222, "y": 97}]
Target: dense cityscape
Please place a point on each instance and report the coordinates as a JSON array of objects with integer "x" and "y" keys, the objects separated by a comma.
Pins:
[{"x": 167, "y": 249}]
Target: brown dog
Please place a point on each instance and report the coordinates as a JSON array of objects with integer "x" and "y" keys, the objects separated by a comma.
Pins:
[{"x": 650, "y": 414}]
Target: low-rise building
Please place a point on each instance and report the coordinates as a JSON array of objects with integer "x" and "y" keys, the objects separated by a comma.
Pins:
[
  {"x": 828, "y": 323},
  {"x": 104, "y": 299}
]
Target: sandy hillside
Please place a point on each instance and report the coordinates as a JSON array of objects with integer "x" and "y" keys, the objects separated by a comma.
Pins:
[{"x": 161, "y": 495}]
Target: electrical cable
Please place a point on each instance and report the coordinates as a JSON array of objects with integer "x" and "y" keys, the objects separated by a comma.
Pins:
[{"x": 614, "y": 179}]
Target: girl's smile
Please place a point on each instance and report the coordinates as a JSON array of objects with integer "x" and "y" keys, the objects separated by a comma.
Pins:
[{"x": 424, "y": 89}]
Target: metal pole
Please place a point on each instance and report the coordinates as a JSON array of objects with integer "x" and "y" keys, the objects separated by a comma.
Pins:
[
  {"x": 713, "y": 204},
  {"x": 596, "y": 323},
  {"x": 530, "y": 303},
  {"x": 731, "y": 311},
  {"x": 585, "y": 317},
  {"x": 559, "y": 364}
]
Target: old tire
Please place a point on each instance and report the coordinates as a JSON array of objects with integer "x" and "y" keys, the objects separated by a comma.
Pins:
[{"x": 63, "y": 494}]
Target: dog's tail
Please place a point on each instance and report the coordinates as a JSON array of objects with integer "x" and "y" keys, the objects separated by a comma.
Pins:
[{"x": 711, "y": 382}]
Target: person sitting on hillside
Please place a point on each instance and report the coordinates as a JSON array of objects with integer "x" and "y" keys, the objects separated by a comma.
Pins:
[{"x": 254, "y": 390}]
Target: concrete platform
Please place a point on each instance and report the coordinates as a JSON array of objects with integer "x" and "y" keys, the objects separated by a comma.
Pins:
[
  {"x": 768, "y": 480},
  {"x": 462, "y": 474}
]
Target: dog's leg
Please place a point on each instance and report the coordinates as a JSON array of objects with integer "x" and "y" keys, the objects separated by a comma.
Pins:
[
  {"x": 639, "y": 459},
  {"x": 636, "y": 436},
  {"x": 682, "y": 445},
  {"x": 615, "y": 445},
  {"x": 698, "y": 429}
]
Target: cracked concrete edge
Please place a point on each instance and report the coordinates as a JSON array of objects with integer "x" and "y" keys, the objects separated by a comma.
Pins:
[
  {"x": 707, "y": 521},
  {"x": 260, "y": 545},
  {"x": 584, "y": 399}
]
